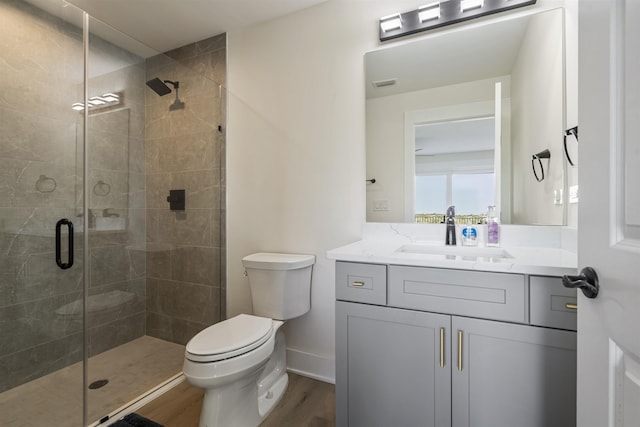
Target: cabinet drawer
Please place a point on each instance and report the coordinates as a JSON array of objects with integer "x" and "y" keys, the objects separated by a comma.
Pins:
[
  {"x": 552, "y": 304},
  {"x": 365, "y": 283},
  {"x": 497, "y": 296}
]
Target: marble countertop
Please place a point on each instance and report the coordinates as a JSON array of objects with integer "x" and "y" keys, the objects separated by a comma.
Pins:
[{"x": 520, "y": 259}]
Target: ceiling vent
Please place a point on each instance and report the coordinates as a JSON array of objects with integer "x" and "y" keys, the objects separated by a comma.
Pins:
[{"x": 384, "y": 83}]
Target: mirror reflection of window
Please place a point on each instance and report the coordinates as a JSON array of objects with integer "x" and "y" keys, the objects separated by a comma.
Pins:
[
  {"x": 471, "y": 194},
  {"x": 454, "y": 165}
]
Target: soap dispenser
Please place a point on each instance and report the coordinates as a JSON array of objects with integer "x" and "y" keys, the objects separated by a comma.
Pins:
[
  {"x": 493, "y": 227},
  {"x": 469, "y": 235}
]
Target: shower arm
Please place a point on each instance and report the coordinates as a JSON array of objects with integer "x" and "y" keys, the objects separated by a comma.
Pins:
[{"x": 175, "y": 85}]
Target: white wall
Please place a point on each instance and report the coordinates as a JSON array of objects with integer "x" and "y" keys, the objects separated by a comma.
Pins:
[
  {"x": 296, "y": 152},
  {"x": 537, "y": 95},
  {"x": 571, "y": 85}
]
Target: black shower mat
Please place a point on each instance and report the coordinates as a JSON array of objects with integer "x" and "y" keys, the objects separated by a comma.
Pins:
[{"x": 135, "y": 420}]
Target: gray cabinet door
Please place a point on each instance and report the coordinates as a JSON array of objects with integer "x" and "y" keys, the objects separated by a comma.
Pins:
[
  {"x": 389, "y": 370},
  {"x": 512, "y": 375}
]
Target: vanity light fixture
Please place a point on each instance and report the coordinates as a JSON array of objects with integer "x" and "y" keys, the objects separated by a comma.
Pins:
[
  {"x": 111, "y": 97},
  {"x": 441, "y": 13},
  {"x": 97, "y": 102},
  {"x": 466, "y": 5},
  {"x": 429, "y": 12},
  {"x": 391, "y": 22}
]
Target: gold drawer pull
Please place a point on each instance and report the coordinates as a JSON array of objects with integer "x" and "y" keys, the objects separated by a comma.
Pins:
[
  {"x": 571, "y": 306},
  {"x": 357, "y": 284},
  {"x": 442, "y": 347},
  {"x": 460, "y": 351}
]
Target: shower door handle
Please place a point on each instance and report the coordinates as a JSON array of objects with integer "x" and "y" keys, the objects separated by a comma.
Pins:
[{"x": 59, "y": 224}]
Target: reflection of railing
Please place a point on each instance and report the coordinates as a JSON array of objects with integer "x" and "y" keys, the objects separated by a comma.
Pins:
[{"x": 436, "y": 218}]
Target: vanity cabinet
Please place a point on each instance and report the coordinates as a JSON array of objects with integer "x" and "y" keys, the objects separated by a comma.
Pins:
[
  {"x": 512, "y": 375},
  {"x": 453, "y": 348},
  {"x": 391, "y": 368}
]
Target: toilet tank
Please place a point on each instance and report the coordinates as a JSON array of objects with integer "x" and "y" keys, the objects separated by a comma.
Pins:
[{"x": 280, "y": 284}]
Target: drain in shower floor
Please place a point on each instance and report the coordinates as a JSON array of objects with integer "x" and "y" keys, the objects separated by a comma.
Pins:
[{"x": 98, "y": 384}]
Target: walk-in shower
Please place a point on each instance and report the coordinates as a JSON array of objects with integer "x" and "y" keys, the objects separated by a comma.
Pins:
[{"x": 144, "y": 279}]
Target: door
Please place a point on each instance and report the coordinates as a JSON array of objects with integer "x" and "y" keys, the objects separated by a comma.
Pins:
[
  {"x": 506, "y": 374},
  {"x": 392, "y": 367},
  {"x": 609, "y": 217}
]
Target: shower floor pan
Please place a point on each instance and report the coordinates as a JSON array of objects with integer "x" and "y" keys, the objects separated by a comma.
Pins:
[{"x": 56, "y": 399}]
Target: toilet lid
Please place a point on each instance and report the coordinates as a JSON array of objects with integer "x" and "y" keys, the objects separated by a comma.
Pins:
[{"x": 229, "y": 338}]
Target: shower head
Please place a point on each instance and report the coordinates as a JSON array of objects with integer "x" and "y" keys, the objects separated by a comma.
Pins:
[{"x": 160, "y": 87}]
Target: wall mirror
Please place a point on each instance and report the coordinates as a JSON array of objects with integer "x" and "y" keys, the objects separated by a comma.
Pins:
[{"x": 453, "y": 118}]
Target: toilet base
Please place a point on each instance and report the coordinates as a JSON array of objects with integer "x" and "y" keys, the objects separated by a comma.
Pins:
[
  {"x": 246, "y": 401},
  {"x": 268, "y": 400}
]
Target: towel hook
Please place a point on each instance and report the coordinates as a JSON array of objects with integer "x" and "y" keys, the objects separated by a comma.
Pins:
[
  {"x": 41, "y": 184},
  {"x": 101, "y": 188},
  {"x": 572, "y": 131},
  {"x": 545, "y": 154}
]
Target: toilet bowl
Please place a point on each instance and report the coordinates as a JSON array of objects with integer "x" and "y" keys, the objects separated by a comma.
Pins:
[
  {"x": 241, "y": 362},
  {"x": 229, "y": 362}
]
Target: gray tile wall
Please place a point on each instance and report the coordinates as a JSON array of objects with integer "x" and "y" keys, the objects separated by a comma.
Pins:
[{"x": 185, "y": 150}]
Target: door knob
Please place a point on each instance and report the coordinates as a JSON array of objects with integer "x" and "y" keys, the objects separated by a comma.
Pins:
[{"x": 587, "y": 281}]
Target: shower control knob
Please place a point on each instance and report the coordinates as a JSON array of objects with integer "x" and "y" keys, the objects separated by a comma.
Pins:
[{"x": 176, "y": 200}]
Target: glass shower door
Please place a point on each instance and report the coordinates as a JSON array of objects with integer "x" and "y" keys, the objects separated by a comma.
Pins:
[
  {"x": 41, "y": 279},
  {"x": 115, "y": 188}
]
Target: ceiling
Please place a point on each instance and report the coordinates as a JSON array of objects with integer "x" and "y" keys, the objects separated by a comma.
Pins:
[
  {"x": 455, "y": 136},
  {"x": 167, "y": 24}
]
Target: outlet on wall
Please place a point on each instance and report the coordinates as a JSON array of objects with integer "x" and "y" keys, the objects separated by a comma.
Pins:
[{"x": 573, "y": 194}]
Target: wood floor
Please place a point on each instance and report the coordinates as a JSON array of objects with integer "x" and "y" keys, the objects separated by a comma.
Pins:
[{"x": 306, "y": 403}]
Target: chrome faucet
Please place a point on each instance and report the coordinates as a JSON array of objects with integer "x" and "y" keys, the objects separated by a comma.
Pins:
[{"x": 450, "y": 221}]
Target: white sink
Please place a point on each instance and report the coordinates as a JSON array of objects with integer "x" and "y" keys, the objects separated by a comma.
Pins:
[{"x": 471, "y": 253}]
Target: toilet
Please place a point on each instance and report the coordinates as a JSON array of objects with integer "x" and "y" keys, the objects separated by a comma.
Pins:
[{"x": 241, "y": 362}]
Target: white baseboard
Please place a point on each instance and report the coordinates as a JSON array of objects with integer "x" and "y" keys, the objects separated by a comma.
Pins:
[{"x": 311, "y": 365}]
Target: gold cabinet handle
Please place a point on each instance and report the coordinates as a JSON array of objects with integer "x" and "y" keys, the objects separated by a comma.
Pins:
[
  {"x": 357, "y": 284},
  {"x": 442, "y": 347},
  {"x": 571, "y": 306},
  {"x": 460, "y": 351}
]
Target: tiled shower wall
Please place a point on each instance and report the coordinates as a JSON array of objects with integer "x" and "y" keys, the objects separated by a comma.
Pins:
[
  {"x": 41, "y": 182},
  {"x": 185, "y": 150}
]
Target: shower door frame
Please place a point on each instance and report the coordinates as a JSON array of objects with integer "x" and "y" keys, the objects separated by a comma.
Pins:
[{"x": 85, "y": 215}]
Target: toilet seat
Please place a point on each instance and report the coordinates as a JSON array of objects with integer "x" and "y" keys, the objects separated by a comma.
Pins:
[{"x": 229, "y": 338}]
